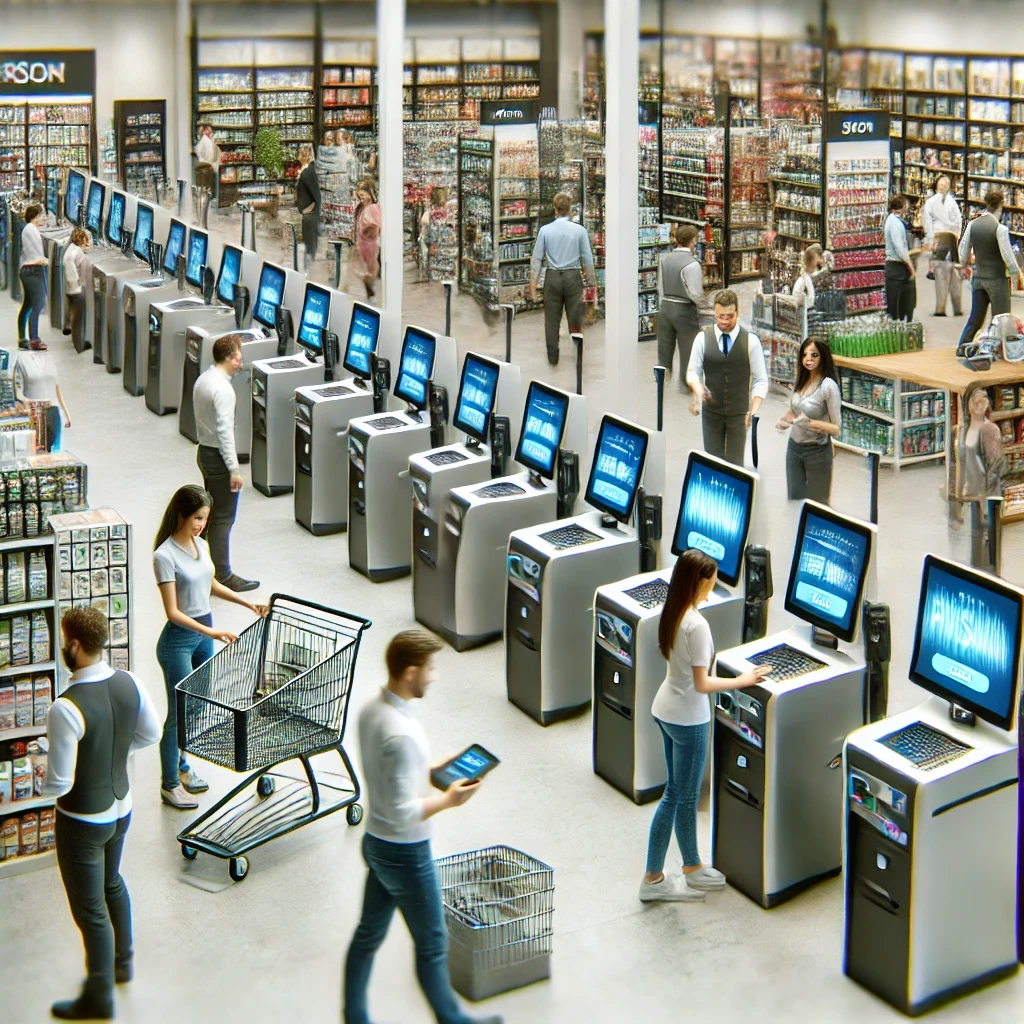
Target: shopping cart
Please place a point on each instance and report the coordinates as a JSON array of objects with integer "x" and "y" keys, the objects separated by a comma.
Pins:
[
  {"x": 498, "y": 904},
  {"x": 269, "y": 704}
]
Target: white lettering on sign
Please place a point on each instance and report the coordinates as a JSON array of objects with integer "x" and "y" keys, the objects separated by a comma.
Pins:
[
  {"x": 858, "y": 127},
  {"x": 508, "y": 114},
  {"x": 22, "y": 72}
]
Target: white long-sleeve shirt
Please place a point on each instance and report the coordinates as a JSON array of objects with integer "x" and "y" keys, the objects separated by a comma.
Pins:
[
  {"x": 396, "y": 769},
  {"x": 206, "y": 150},
  {"x": 74, "y": 260},
  {"x": 213, "y": 401},
  {"x": 1002, "y": 239},
  {"x": 941, "y": 214},
  {"x": 32, "y": 250},
  {"x": 755, "y": 353},
  {"x": 65, "y": 728}
]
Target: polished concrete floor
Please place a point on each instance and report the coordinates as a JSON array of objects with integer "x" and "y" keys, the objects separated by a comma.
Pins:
[{"x": 271, "y": 947}]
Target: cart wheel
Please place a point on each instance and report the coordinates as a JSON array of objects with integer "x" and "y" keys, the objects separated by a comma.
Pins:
[
  {"x": 238, "y": 868},
  {"x": 189, "y": 852},
  {"x": 265, "y": 786},
  {"x": 354, "y": 814}
]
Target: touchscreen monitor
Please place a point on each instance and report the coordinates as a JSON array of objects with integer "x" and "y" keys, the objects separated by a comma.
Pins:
[
  {"x": 94, "y": 207},
  {"x": 74, "y": 196},
  {"x": 829, "y": 570},
  {"x": 967, "y": 640},
  {"x": 175, "y": 243},
  {"x": 617, "y": 468},
  {"x": 415, "y": 366},
  {"x": 143, "y": 231},
  {"x": 477, "y": 392},
  {"x": 316, "y": 311},
  {"x": 198, "y": 243},
  {"x": 363, "y": 333},
  {"x": 115, "y": 218},
  {"x": 543, "y": 425},
  {"x": 714, "y": 513},
  {"x": 269, "y": 295},
  {"x": 230, "y": 271}
]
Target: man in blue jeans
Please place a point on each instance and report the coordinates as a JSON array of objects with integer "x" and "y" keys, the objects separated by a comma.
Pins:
[{"x": 396, "y": 847}]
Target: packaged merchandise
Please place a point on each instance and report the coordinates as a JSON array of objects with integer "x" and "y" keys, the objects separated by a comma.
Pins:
[
  {"x": 9, "y": 838},
  {"x": 7, "y": 714},
  {"x": 21, "y": 779},
  {"x": 38, "y": 577},
  {"x": 28, "y": 834},
  {"x": 42, "y": 698},
  {"x": 38, "y": 774},
  {"x": 64, "y": 588},
  {"x": 5, "y": 642},
  {"x": 6, "y": 782},
  {"x": 20, "y": 640},
  {"x": 99, "y": 556},
  {"x": 40, "y": 637},
  {"x": 15, "y": 577},
  {"x": 47, "y": 829},
  {"x": 23, "y": 702}
]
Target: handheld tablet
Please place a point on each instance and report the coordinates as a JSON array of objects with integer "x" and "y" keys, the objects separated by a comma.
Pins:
[{"x": 473, "y": 763}]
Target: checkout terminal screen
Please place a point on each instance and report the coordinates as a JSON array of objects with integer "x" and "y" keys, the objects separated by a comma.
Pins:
[
  {"x": 269, "y": 295},
  {"x": 230, "y": 271},
  {"x": 143, "y": 231},
  {"x": 416, "y": 366},
  {"x": 714, "y": 514},
  {"x": 967, "y": 641},
  {"x": 618, "y": 463},
  {"x": 94, "y": 208},
  {"x": 476, "y": 396},
  {"x": 175, "y": 243},
  {"x": 197, "y": 243},
  {"x": 316, "y": 310},
  {"x": 115, "y": 218},
  {"x": 363, "y": 331},
  {"x": 543, "y": 424},
  {"x": 830, "y": 564},
  {"x": 74, "y": 196}
]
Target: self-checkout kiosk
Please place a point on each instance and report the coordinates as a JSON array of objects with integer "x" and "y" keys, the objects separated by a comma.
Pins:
[
  {"x": 274, "y": 381},
  {"x": 323, "y": 412},
  {"x": 777, "y": 788},
  {"x": 473, "y": 545},
  {"x": 489, "y": 394},
  {"x": 379, "y": 448},
  {"x": 554, "y": 568},
  {"x": 930, "y": 854}
]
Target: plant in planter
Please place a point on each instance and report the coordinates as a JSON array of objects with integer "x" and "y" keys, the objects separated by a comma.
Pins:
[{"x": 268, "y": 153}]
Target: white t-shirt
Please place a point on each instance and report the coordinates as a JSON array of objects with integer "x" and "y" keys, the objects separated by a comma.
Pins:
[
  {"x": 678, "y": 702},
  {"x": 804, "y": 289},
  {"x": 38, "y": 375},
  {"x": 192, "y": 577}
]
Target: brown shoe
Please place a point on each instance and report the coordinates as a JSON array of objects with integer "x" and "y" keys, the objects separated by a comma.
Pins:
[{"x": 178, "y": 799}]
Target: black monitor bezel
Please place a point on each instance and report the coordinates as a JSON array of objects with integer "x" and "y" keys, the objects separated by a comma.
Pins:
[
  {"x": 114, "y": 194},
  {"x": 312, "y": 286},
  {"x": 847, "y": 523},
  {"x": 139, "y": 208},
  {"x": 525, "y": 460},
  {"x": 589, "y": 497},
  {"x": 72, "y": 173},
  {"x": 480, "y": 435},
  {"x": 173, "y": 269},
  {"x": 984, "y": 581},
  {"x": 351, "y": 367},
  {"x": 188, "y": 253},
  {"x": 225, "y": 249},
  {"x": 709, "y": 462},
  {"x": 404, "y": 396},
  {"x": 93, "y": 183},
  {"x": 272, "y": 325}
]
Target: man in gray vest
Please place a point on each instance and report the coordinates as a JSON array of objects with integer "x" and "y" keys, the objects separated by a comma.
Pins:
[
  {"x": 101, "y": 718},
  {"x": 728, "y": 378},
  {"x": 681, "y": 284},
  {"x": 900, "y": 289},
  {"x": 994, "y": 263}
]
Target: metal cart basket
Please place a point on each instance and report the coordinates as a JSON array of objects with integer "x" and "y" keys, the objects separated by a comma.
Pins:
[
  {"x": 269, "y": 704},
  {"x": 498, "y": 904}
]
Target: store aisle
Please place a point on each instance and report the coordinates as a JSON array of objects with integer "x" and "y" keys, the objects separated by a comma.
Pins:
[{"x": 271, "y": 948}]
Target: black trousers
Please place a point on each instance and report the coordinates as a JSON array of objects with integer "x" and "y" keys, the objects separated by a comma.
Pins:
[
  {"x": 563, "y": 289},
  {"x": 900, "y": 291},
  {"x": 89, "y": 858},
  {"x": 677, "y": 327},
  {"x": 310, "y": 236},
  {"x": 809, "y": 471},
  {"x": 217, "y": 480},
  {"x": 725, "y": 437},
  {"x": 76, "y": 313}
]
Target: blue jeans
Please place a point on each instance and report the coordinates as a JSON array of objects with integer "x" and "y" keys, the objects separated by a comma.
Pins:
[
  {"x": 983, "y": 294},
  {"x": 686, "y": 747},
  {"x": 401, "y": 875},
  {"x": 179, "y": 651},
  {"x": 33, "y": 286}
]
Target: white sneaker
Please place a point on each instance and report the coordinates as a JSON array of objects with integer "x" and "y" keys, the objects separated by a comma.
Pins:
[
  {"x": 704, "y": 879},
  {"x": 668, "y": 890},
  {"x": 178, "y": 799}
]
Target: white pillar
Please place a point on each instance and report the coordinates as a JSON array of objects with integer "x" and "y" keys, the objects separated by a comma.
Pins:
[
  {"x": 180, "y": 113},
  {"x": 573, "y": 21},
  {"x": 622, "y": 170},
  {"x": 390, "y": 55}
]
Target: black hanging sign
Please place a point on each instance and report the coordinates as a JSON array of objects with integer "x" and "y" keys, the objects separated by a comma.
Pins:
[
  {"x": 647, "y": 112},
  {"x": 498, "y": 112},
  {"x": 858, "y": 126},
  {"x": 47, "y": 72}
]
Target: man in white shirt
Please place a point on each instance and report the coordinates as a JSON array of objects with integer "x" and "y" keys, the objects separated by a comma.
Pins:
[
  {"x": 213, "y": 400},
  {"x": 396, "y": 771},
  {"x": 208, "y": 161},
  {"x": 91, "y": 729},
  {"x": 942, "y": 223},
  {"x": 728, "y": 378}
]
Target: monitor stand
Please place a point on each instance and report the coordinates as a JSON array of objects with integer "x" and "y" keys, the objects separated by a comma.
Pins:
[
  {"x": 360, "y": 383},
  {"x": 473, "y": 445},
  {"x": 609, "y": 522},
  {"x": 536, "y": 480},
  {"x": 962, "y": 716},
  {"x": 823, "y": 638}
]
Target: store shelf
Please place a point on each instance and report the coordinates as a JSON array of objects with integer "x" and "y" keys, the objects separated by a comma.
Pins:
[
  {"x": 25, "y": 606},
  {"x": 21, "y": 732},
  {"x": 869, "y": 412},
  {"x": 19, "y": 670},
  {"x": 17, "y": 806},
  {"x": 22, "y": 865}
]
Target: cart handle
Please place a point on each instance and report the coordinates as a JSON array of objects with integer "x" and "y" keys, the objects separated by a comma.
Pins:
[{"x": 367, "y": 623}]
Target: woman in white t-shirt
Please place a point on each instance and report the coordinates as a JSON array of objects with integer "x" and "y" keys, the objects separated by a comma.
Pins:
[
  {"x": 35, "y": 380},
  {"x": 803, "y": 289},
  {"x": 683, "y": 711}
]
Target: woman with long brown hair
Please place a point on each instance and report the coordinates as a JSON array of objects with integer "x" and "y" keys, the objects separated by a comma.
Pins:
[
  {"x": 682, "y": 711},
  {"x": 364, "y": 260}
]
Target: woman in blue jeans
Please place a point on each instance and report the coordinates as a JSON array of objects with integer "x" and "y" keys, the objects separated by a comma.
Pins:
[
  {"x": 683, "y": 712},
  {"x": 185, "y": 575}
]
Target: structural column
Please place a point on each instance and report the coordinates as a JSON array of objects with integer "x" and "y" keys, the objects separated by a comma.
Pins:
[
  {"x": 622, "y": 170},
  {"x": 390, "y": 50},
  {"x": 180, "y": 115}
]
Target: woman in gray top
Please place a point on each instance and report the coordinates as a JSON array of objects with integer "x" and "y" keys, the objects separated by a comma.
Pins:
[{"x": 813, "y": 419}]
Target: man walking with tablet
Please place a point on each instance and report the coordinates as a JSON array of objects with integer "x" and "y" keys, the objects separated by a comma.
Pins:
[{"x": 396, "y": 847}]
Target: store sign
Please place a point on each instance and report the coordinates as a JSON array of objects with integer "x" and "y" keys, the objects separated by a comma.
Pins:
[
  {"x": 858, "y": 126},
  {"x": 508, "y": 112},
  {"x": 47, "y": 73}
]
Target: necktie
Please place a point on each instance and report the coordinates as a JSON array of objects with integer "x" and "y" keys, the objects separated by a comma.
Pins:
[{"x": 726, "y": 344}]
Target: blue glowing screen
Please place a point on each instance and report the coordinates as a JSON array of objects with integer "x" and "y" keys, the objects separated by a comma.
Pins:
[
  {"x": 94, "y": 209},
  {"x": 74, "y": 196},
  {"x": 416, "y": 367},
  {"x": 115, "y": 218},
  {"x": 363, "y": 331},
  {"x": 543, "y": 424},
  {"x": 197, "y": 244},
  {"x": 316, "y": 310},
  {"x": 143, "y": 231},
  {"x": 175, "y": 243},
  {"x": 476, "y": 397},
  {"x": 230, "y": 271},
  {"x": 618, "y": 463},
  {"x": 269, "y": 295}
]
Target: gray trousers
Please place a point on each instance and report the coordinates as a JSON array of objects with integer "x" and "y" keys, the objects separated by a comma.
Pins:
[
  {"x": 217, "y": 480},
  {"x": 809, "y": 471},
  {"x": 947, "y": 286},
  {"x": 677, "y": 326},
  {"x": 310, "y": 236},
  {"x": 562, "y": 289},
  {"x": 725, "y": 436}
]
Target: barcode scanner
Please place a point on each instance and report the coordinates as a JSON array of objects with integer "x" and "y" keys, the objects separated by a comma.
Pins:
[
  {"x": 181, "y": 271},
  {"x": 380, "y": 374},
  {"x": 208, "y": 279},
  {"x": 501, "y": 445},
  {"x": 568, "y": 484},
  {"x": 285, "y": 329},
  {"x": 240, "y": 303},
  {"x": 437, "y": 405},
  {"x": 156, "y": 257},
  {"x": 329, "y": 347}
]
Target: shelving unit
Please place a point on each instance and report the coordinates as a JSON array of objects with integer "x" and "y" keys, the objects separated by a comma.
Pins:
[
  {"x": 795, "y": 186},
  {"x": 654, "y": 240},
  {"x": 39, "y": 138},
  {"x": 781, "y": 325},
  {"x": 476, "y": 218},
  {"x": 225, "y": 99},
  {"x": 140, "y": 128},
  {"x": 747, "y": 170}
]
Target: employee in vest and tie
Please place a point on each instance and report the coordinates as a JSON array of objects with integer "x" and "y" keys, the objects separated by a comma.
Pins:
[
  {"x": 681, "y": 286},
  {"x": 728, "y": 378},
  {"x": 91, "y": 729},
  {"x": 563, "y": 246},
  {"x": 994, "y": 264}
]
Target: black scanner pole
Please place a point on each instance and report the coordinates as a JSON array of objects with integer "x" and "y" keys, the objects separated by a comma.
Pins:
[
  {"x": 659, "y": 383},
  {"x": 295, "y": 248},
  {"x": 449, "y": 287},
  {"x": 874, "y": 460},
  {"x": 753, "y": 439},
  {"x": 577, "y": 340},
  {"x": 510, "y": 311}
]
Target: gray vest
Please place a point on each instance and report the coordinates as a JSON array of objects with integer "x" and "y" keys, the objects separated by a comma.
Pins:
[
  {"x": 727, "y": 377},
  {"x": 111, "y": 710},
  {"x": 988, "y": 261},
  {"x": 672, "y": 266}
]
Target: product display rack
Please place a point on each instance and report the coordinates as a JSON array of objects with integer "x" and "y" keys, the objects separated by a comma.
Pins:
[
  {"x": 594, "y": 201},
  {"x": 140, "y": 128},
  {"x": 286, "y": 101},
  {"x": 225, "y": 99},
  {"x": 431, "y": 160},
  {"x": 791, "y": 81},
  {"x": 781, "y": 325},
  {"x": 39, "y": 138},
  {"x": 347, "y": 96},
  {"x": 748, "y": 157},
  {"x": 655, "y": 239},
  {"x": 476, "y": 218},
  {"x": 795, "y": 186}
]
